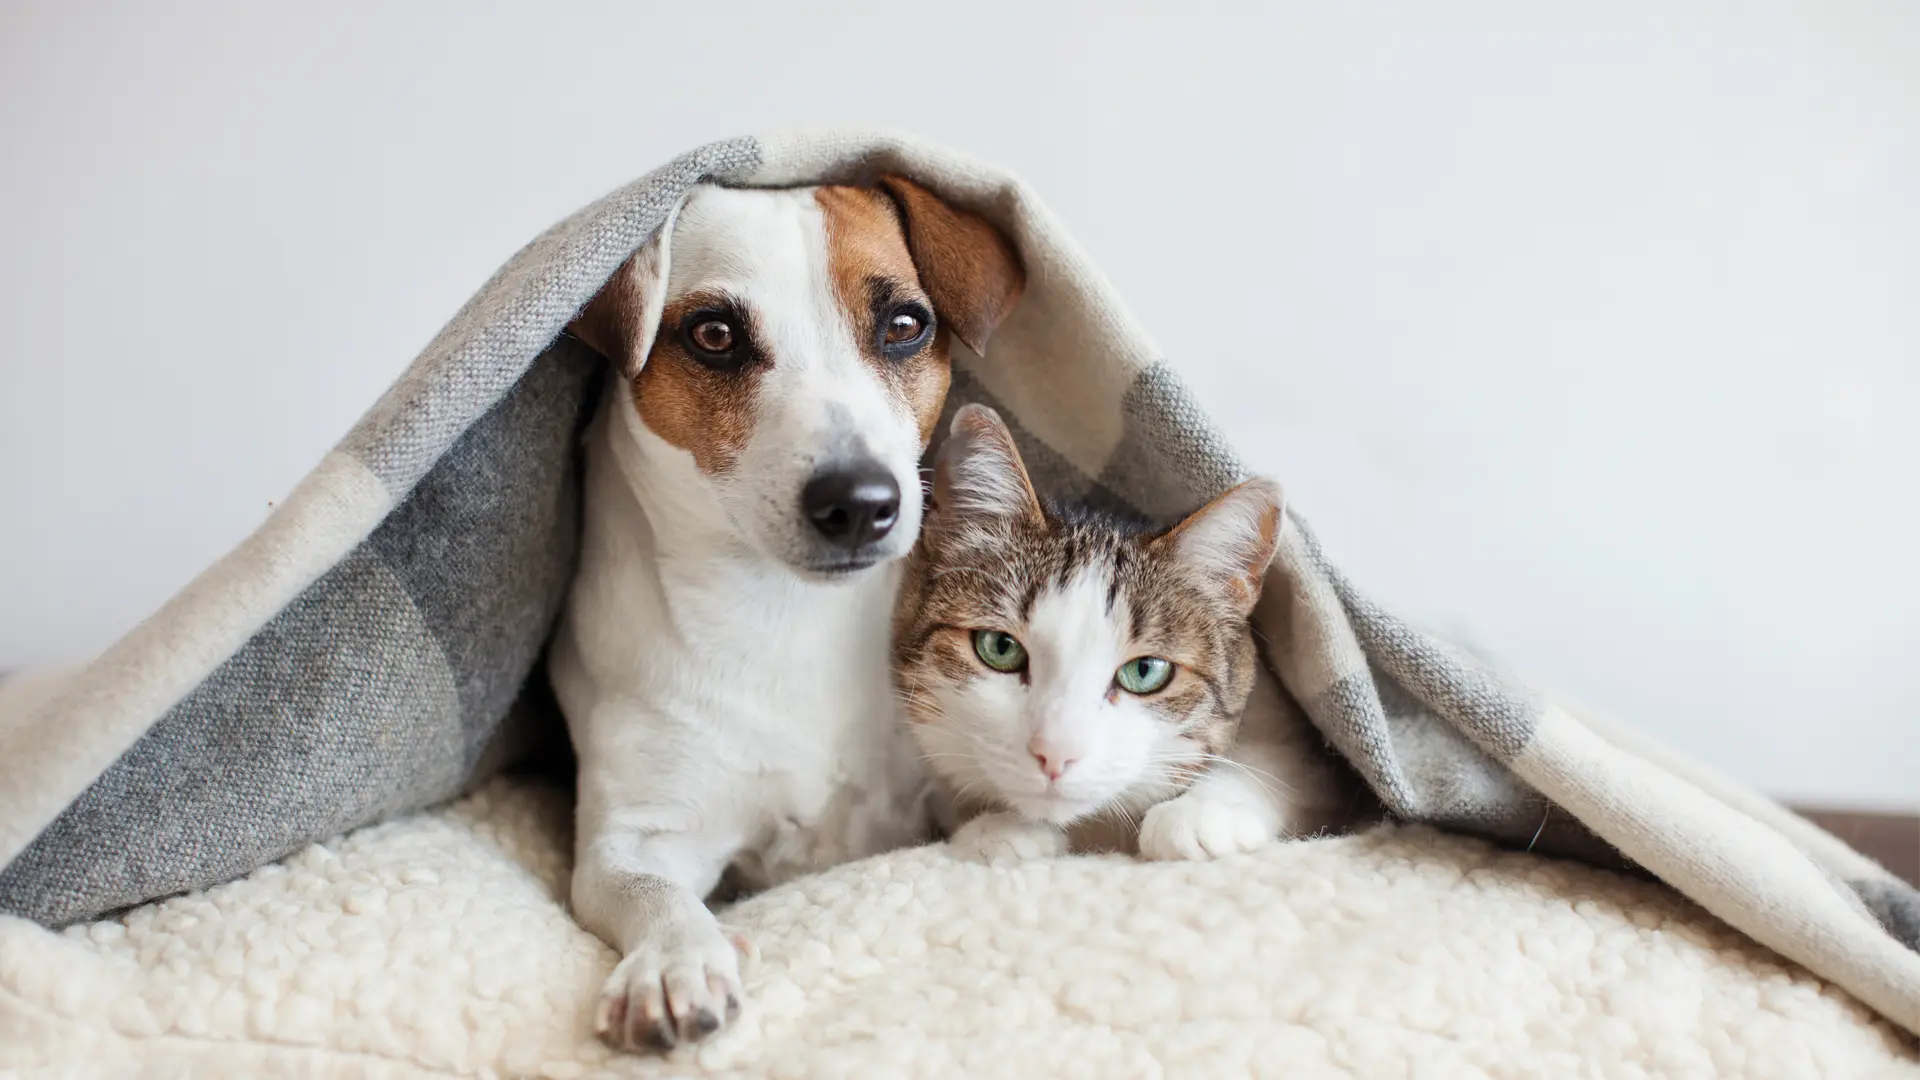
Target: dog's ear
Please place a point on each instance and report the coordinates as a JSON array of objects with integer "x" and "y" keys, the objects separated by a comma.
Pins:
[
  {"x": 621, "y": 320},
  {"x": 971, "y": 271},
  {"x": 1232, "y": 539},
  {"x": 979, "y": 473}
]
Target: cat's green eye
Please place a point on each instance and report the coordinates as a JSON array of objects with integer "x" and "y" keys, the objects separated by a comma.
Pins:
[
  {"x": 999, "y": 651},
  {"x": 1144, "y": 675}
]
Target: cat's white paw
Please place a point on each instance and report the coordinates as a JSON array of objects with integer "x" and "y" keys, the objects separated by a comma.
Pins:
[
  {"x": 1002, "y": 839},
  {"x": 1194, "y": 826}
]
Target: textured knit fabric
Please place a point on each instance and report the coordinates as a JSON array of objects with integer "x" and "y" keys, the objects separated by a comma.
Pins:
[{"x": 362, "y": 653}]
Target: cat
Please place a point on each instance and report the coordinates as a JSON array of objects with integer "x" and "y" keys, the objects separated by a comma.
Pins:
[{"x": 1060, "y": 668}]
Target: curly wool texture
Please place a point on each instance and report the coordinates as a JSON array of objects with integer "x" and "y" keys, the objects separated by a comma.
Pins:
[{"x": 440, "y": 945}]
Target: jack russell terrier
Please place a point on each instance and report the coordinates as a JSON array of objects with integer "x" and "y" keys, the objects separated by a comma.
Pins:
[{"x": 752, "y": 478}]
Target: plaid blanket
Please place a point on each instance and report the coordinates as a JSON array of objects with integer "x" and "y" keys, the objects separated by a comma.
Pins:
[{"x": 374, "y": 647}]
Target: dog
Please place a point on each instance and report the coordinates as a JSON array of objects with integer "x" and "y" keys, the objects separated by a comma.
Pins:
[{"x": 779, "y": 359}]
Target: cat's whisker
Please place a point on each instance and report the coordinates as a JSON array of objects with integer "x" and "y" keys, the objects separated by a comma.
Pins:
[
  {"x": 909, "y": 699},
  {"x": 1183, "y": 770},
  {"x": 990, "y": 749},
  {"x": 1261, "y": 773},
  {"x": 1257, "y": 774},
  {"x": 969, "y": 789},
  {"x": 1178, "y": 757},
  {"x": 1116, "y": 813}
]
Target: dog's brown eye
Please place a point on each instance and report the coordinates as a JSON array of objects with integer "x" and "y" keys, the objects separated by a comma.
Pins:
[
  {"x": 903, "y": 327},
  {"x": 713, "y": 335}
]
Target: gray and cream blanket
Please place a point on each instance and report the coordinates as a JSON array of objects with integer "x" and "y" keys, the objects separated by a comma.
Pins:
[{"x": 374, "y": 647}]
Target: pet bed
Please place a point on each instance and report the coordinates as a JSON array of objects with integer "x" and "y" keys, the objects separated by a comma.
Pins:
[{"x": 440, "y": 945}]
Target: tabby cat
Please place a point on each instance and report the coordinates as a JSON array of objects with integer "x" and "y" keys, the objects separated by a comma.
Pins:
[{"x": 1060, "y": 666}]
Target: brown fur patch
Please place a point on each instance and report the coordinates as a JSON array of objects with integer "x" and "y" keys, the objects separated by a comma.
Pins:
[
  {"x": 610, "y": 321},
  {"x": 705, "y": 412},
  {"x": 872, "y": 270}
]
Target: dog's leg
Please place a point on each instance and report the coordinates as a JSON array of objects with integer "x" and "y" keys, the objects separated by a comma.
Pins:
[{"x": 679, "y": 976}]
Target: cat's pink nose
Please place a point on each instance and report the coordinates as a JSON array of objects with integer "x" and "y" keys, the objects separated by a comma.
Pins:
[{"x": 1052, "y": 761}]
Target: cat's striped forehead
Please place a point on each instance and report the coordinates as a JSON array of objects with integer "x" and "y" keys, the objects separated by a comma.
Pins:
[
  {"x": 1085, "y": 596},
  {"x": 996, "y": 578},
  {"x": 1054, "y": 561}
]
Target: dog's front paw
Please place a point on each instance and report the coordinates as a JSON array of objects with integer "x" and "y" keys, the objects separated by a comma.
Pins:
[
  {"x": 1002, "y": 839},
  {"x": 1193, "y": 826},
  {"x": 676, "y": 987}
]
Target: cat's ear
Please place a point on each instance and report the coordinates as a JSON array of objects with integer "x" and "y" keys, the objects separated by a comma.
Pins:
[
  {"x": 1232, "y": 539},
  {"x": 979, "y": 474}
]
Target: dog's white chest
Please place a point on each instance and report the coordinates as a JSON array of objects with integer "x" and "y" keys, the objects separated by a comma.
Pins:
[
  {"x": 823, "y": 768},
  {"x": 867, "y": 798},
  {"x": 743, "y": 705}
]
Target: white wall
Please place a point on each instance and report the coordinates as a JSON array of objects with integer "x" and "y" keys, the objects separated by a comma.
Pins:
[{"x": 1595, "y": 337}]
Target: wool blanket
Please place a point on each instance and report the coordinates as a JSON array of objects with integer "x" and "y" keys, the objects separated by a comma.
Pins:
[{"x": 373, "y": 648}]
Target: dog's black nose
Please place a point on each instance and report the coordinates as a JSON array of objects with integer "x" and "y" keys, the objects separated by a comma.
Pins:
[{"x": 852, "y": 505}]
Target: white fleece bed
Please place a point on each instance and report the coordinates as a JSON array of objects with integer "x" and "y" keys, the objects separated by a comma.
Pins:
[{"x": 439, "y": 945}]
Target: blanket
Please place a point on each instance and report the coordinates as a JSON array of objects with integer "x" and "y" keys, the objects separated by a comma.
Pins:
[
  {"x": 373, "y": 648},
  {"x": 439, "y": 945}
]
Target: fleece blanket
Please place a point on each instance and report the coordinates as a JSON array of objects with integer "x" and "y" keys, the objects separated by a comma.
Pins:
[
  {"x": 372, "y": 648},
  {"x": 439, "y": 945}
]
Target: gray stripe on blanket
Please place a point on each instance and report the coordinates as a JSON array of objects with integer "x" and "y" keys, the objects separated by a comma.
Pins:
[
  {"x": 1895, "y": 905},
  {"x": 1419, "y": 759},
  {"x": 486, "y": 546},
  {"x": 379, "y": 690},
  {"x": 1457, "y": 687},
  {"x": 1171, "y": 459},
  {"x": 1353, "y": 719},
  {"x": 1427, "y": 769},
  {"x": 313, "y": 727}
]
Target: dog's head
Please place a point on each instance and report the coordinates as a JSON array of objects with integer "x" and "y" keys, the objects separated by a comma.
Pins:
[{"x": 786, "y": 355}]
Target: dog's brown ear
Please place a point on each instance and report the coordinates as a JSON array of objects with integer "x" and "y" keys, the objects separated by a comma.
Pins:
[
  {"x": 969, "y": 269},
  {"x": 606, "y": 324},
  {"x": 621, "y": 320}
]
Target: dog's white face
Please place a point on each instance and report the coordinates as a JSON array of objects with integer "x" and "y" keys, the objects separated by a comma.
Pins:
[{"x": 789, "y": 350}]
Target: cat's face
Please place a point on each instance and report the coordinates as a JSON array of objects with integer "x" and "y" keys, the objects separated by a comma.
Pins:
[{"x": 1062, "y": 665}]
